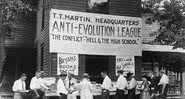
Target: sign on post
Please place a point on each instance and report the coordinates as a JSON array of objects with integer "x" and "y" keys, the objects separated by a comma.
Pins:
[{"x": 68, "y": 63}]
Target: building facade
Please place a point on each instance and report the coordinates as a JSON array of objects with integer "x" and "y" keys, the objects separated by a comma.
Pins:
[
  {"x": 20, "y": 53},
  {"x": 91, "y": 63}
]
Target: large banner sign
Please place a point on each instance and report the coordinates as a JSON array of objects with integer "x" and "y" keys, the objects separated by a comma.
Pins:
[
  {"x": 68, "y": 63},
  {"x": 125, "y": 63},
  {"x": 88, "y": 33}
]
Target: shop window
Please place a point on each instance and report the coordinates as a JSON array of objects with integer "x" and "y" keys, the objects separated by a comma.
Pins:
[
  {"x": 42, "y": 57},
  {"x": 98, "y": 6},
  {"x": 95, "y": 64}
]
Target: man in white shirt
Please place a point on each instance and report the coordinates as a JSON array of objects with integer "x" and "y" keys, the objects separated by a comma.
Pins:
[
  {"x": 121, "y": 85},
  {"x": 70, "y": 81},
  {"x": 42, "y": 83},
  {"x": 35, "y": 85},
  {"x": 163, "y": 85},
  {"x": 106, "y": 85},
  {"x": 19, "y": 87},
  {"x": 61, "y": 88}
]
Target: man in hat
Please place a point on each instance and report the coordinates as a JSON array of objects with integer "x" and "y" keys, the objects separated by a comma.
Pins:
[
  {"x": 85, "y": 87},
  {"x": 70, "y": 81},
  {"x": 131, "y": 86},
  {"x": 61, "y": 88},
  {"x": 19, "y": 87},
  {"x": 44, "y": 88},
  {"x": 154, "y": 81},
  {"x": 106, "y": 85},
  {"x": 121, "y": 85},
  {"x": 163, "y": 85}
]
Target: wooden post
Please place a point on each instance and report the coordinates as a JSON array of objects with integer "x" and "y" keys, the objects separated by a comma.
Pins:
[{"x": 2, "y": 39}]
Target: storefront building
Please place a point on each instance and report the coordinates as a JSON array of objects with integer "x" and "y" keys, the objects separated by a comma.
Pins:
[
  {"x": 89, "y": 36},
  {"x": 156, "y": 57}
]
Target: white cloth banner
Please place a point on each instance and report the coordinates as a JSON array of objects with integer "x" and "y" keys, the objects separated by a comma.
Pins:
[
  {"x": 68, "y": 63},
  {"x": 125, "y": 63},
  {"x": 89, "y": 33}
]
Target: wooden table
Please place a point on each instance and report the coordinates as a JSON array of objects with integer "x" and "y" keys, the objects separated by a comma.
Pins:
[{"x": 77, "y": 96}]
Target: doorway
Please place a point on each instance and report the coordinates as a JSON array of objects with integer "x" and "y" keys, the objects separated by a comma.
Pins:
[{"x": 94, "y": 64}]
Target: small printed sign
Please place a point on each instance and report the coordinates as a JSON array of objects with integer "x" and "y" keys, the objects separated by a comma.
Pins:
[
  {"x": 125, "y": 63},
  {"x": 68, "y": 63}
]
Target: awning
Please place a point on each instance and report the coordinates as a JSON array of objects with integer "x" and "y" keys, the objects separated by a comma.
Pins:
[{"x": 161, "y": 48}]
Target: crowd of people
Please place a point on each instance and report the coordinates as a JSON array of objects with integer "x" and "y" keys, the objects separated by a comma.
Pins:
[{"x": 151, "y": 86}]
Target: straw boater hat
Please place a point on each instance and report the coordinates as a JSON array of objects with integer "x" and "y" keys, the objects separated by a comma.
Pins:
[
  {"x": 162, "y": 71},
  {"x": 85, "y": 75},
  {"x": 63, "y": 73},
  {"x": 129, "y": 74},
  {"x": 120, "y": 71},
  {"x": 71, "y": 73}
]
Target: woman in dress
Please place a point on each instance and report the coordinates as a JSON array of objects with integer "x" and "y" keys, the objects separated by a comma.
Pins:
[
  {"x": 145, "y": 91},
  {"x": 85, "y": 87}
]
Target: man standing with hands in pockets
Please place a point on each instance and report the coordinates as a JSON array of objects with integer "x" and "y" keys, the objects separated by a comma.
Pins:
[
  {"x": 163, "y": 85},
  {"x": 19, "y": 87},
  {"x": 35, "y": 86},
  {"x": 121, "y": 85},
  {"x": 106, "y": 85}
]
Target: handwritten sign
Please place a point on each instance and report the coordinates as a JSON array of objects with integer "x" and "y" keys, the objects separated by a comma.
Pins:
[
  {"x": 89, "y": 33},
  {"x": 125, "y": 63},
  {"x": 68, "y": 63}
]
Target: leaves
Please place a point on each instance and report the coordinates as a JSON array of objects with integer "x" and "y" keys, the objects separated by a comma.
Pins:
[
  {"x": 14, "y": 9},
  {"x": 171, "y": 16},
  {"x": 175, "y": 61}
]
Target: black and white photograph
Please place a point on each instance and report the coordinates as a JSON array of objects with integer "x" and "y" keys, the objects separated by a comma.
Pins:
[{"x": 92, "y": 49}]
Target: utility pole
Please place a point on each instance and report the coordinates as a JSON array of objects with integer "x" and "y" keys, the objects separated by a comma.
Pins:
[{"x": 2, "y": 38}]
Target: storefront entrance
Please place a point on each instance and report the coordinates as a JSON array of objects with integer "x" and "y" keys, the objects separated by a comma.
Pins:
[
  {"x": 172, "y": 63},
  {"x": 94, "y": 64}
]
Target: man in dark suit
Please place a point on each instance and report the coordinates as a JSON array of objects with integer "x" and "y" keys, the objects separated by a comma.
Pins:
[{"x": 154, "y": 83}]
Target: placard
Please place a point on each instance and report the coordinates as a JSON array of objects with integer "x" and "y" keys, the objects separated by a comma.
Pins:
[
  {"x": 68, "y": 63},
  {"x": 89, "y": 33},
  {"x": 125, "y": 63}
]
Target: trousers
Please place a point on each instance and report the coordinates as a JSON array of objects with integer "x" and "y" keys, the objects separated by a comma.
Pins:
[
  {"x": 120, "y": 94},
  {"x": 18, "y": 95},
  {"x": 105, "y": 94}
]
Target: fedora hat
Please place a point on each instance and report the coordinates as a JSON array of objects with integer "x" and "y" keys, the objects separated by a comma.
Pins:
[
  {"x": 63, "y": 73},
  {"x": 129, "y": 74},
  {"x": 85, "y": 75}
]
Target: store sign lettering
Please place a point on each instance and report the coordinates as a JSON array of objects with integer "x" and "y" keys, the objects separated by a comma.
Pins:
[
  {"x": 87, "y": 33},
  {"x": 68, "y": 63},
  {"x": 125, "y": 63}
]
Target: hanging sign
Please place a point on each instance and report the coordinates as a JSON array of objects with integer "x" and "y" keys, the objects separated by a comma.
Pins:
[
  {"x": 89, "y": 33},
  {"x": 68, "y": 63},
  {"x": 125, "y": 63}
]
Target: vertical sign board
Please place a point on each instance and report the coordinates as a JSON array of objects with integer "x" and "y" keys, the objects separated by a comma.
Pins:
[
  {"x": 68, "y": 63},
  {"x": 125, "y": 63},
  {"x": 96, "y": 34}
]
